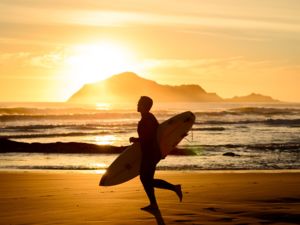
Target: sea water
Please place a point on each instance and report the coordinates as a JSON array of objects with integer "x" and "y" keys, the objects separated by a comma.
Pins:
[{"x": 260, "y": 136}]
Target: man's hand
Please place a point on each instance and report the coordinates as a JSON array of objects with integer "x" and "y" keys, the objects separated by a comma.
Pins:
[{"x": 133, "y": 140}]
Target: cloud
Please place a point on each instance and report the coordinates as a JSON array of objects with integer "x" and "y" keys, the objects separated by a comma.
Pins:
[
  {"x": 230, "y": 62},
  {"x": 135, "y": 13},
  {"x": 13, "y": 56},
  {"x": 51, "y": 60},
  {"x": 43, "y": 60},
  {"x": 215, "y": 69}
]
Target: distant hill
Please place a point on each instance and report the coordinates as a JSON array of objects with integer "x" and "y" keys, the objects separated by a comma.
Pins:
[
  {"x": 252, "y": 98},
  {"x": 128, "y": 87}
]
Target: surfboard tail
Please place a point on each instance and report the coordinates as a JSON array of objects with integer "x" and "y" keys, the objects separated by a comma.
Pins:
[{"x": 102, "y": 181}]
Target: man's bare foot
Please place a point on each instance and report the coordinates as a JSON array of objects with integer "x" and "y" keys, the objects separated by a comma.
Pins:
[
  {"x": 178, "y": 192},
  {"x": 150, "y": 208}
]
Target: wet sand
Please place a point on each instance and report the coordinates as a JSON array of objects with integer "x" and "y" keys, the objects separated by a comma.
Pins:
[{"x": 220, "y": 197}]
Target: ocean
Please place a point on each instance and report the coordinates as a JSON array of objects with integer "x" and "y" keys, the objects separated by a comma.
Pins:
[{"x": 258, "y": 136}]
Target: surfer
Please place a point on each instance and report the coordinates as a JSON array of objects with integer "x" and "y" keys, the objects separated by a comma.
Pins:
[{"x": 147, "y": 129}]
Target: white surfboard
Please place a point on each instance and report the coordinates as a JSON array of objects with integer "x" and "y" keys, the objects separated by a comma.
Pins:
[
  {"x": 173, "y": 130},
  {"x": 127, "y": 165}
]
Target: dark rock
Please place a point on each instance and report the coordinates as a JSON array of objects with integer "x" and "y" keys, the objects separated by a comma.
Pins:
[
  {"x": 7, "y": 145},
  {"x": 231, "y": 154}
]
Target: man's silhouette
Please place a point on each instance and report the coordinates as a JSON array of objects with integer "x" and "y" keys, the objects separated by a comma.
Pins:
[{"x": 147, "y": 131}]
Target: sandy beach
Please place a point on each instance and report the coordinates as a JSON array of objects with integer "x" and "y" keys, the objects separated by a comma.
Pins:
[{"x": 219, "y": 197}]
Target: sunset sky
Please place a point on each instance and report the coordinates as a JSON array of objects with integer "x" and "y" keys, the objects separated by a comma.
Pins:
[{"x": 50, "y": 48}]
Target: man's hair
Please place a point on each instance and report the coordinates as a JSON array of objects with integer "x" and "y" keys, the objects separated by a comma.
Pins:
[{"x": 147, "y": 102}]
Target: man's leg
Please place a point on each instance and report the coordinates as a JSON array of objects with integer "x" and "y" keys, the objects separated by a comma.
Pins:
[
  {"x": 146, "y": 177},
  {"x": 158, "y": 183}
]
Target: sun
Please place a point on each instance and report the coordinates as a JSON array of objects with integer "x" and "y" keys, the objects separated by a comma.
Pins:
[{"x": 94, "y": 62}]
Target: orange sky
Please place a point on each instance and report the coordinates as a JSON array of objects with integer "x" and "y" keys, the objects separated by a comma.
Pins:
[{"x": 49, "y": 48}]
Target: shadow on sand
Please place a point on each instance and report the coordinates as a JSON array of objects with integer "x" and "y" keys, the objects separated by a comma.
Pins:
[{"x": 157, "y": 215}]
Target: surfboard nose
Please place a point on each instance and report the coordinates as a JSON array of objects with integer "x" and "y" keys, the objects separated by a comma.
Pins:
[
  {"x": 190, "y": 117},
  {"x": 192, "y": 114}
]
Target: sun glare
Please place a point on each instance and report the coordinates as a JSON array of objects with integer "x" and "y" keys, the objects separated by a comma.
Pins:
[
  {"x": 95, "y": 62},
  {"x": 105, "y": 139}
]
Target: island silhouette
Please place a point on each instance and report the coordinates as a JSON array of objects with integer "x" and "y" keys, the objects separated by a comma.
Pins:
[{"x": 128, "y": 86}]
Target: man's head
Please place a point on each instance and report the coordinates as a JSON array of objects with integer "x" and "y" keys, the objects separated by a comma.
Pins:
[{"x": 144, "y": 105}]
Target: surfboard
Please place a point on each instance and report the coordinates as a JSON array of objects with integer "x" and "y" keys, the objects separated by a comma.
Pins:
[
  {"x": 173, "y": 130},
  {"x": 127, "y": 165}
]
